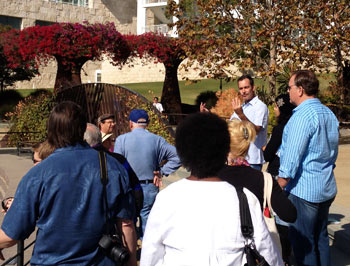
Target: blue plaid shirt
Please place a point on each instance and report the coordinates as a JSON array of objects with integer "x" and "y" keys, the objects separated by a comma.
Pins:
[{"x": 309, "y": 150}]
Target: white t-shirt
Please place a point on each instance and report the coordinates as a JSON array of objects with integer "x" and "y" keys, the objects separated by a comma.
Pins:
[
  {"x": 257, "y": 113},
  {"x": 197, "y": 223}
]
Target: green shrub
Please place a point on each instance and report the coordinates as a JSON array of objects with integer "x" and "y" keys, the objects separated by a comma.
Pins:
[
  {"x": 156, "y": 125},
  {"x": 272, "y": 120},
  {"x": 8, "y": 101},
  {"x": 30, "y": 115}
]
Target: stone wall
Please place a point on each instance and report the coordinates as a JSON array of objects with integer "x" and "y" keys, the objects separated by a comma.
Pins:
[{"x": 121, "y": 12}]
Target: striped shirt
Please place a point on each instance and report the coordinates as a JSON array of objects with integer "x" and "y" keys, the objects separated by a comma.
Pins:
[{"x": 309, "y": 150}]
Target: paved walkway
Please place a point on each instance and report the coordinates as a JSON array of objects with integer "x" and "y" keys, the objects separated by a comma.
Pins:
[{"x": 13, "y": 167}]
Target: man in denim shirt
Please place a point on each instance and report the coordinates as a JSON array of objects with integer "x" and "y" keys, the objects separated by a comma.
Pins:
[
  {"x": 63, "y": 197},
  {"x": 145, "y": 152},
  {"x": 308, "y": 153}
]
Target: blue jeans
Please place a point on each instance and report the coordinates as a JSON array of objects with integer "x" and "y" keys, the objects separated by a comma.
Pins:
[
  {"x": 308, "y": 235},
  {"x": 150, "y": 192},
  {"x": 256, "y": 166}
]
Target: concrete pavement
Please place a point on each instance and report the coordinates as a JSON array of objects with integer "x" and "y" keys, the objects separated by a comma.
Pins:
[{"x": 13, "y": 168}]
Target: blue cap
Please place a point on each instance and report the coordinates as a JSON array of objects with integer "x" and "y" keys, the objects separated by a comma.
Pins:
[{"x": 139, "y": 116}]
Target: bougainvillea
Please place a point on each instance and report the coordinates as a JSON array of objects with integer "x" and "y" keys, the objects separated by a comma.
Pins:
[
  {"x": 165, "y": 50},
  {"x": 22, "y": 70},
  {"x": 70, "y": 44}
]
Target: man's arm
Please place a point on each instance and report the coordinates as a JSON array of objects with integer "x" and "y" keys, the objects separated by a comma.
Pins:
[
  {"x": 118, "y": 146},
  {"x": 295, "y": 140},
  {"x": 5, "y": 242},
  {"x": 168, "y": 152},
  {"x": 237, "y": 107},
  {"x": 129, "y": 236}
]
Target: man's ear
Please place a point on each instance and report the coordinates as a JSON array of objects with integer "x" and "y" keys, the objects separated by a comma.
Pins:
[
  {"x": 131, "y": 125},
  {"x": 301, "y": 91}
]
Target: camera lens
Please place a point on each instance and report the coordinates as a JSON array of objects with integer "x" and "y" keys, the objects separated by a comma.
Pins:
[{"x": 119, "y": 254}]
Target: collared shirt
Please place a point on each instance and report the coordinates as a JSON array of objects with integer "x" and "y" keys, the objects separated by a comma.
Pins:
[
  {"x": 309, "y": 150},
  {"x": 159, "y": 107},
  {"x": 145, "y": 151},
  {"x": 257, "y": 113},
  {"x": 62, "y": 197}
]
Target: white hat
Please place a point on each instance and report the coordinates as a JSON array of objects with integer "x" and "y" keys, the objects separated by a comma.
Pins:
[{"x": 106, "y": 136}]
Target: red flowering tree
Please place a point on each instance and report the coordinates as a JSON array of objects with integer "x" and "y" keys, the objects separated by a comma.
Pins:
[
  {"x": 72, "y": 45},
  {"x": 8, "y": 76},
  {"x": 164, "y": 50}
]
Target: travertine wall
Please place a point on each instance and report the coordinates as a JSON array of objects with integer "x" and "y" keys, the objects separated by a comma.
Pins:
[
  {"x": 121, "y": 12},
  {"x": 140, "y": 72}
]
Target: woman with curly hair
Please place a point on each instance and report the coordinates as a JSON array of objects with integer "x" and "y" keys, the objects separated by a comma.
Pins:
[{"x": 196, "y": 220}]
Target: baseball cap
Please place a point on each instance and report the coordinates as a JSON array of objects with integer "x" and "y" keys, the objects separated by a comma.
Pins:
[{"x": 139, "y": 116}]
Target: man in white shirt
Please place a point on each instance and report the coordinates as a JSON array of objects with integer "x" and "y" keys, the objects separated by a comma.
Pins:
[
  {"x": 157, "y": 104},
  {"x": 255, "y": 111}
]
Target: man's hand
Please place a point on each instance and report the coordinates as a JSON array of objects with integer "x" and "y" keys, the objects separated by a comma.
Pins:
[
  {"x": 237, "y": 106},
  {"x": 283, "y": 182},
  {"x": 202, "y": 108},
  {"x": 157, "y": 180}
]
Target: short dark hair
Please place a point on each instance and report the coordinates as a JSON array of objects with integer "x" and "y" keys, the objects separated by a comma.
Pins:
[
  {"x": 66, "y": 125},
  {"x": 156, "y": 98},
  {"x": 202, "y": 143},
  {"x": 307, "y": 80},
  {"x": 251, "y": 80}
]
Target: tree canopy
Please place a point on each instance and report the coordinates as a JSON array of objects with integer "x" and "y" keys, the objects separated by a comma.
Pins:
[
  {"x": 72, "y": 45},
  {"x": 22, "y": 71},
  {"x": 263, "y": 36},
  {"x": 168, "y": 51}
]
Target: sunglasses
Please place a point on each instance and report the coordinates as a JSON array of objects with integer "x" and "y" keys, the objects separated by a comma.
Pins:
[{"x": 5, "y": 202}]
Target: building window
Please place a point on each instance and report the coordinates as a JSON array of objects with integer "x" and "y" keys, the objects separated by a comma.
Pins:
[
  {"x": 43, "y": 23},
  {"x": 98, "y": 76},
  {"x": 84, "y": 3},
  {"x": 11, "y": 21}
]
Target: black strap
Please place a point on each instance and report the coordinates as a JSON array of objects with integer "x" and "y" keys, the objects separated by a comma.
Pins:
[
  {"x": 246, "y": 219},
  {"x": 104, "y": 180}
]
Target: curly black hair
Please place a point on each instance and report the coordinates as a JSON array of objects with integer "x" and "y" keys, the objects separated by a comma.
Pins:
[{"x": 202, "y": 143}]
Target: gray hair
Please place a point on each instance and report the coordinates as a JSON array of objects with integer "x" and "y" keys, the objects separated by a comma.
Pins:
[{"x": 92, "y": 135}]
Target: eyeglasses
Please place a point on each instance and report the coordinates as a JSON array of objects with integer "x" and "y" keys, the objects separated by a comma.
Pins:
[
  {"x": 36, "y": 161},
  {"x": 109, "y": 122},
  {"x": 6, "y": 202}
]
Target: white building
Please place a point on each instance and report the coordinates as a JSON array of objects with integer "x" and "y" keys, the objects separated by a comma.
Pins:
[{"x": 151, "y": 17}]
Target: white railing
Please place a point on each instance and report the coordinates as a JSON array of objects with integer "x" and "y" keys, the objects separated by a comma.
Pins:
[
  {"x": 155, "y": 1},
  {"x": 161, "y": 28},
  {"x": 84, "y": 3}
]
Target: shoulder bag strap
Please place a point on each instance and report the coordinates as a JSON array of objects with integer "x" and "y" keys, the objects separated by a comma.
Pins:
[
  {"x": 246, "y": 219},
  {"x": 104, "y": 179},
  {"x": 268, "y": 182}
]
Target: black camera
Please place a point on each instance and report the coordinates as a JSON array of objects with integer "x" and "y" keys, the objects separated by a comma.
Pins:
[{"x": 113, "y": 247}]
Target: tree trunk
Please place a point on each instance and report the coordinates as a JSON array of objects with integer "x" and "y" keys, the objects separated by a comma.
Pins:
[
  {"x": 346, "y": 82},
  {"x": 272, "y": 65},
  {"x": 340, "y": 73},
  {"x": 67, "y": 75},
  {"x": 171, "y": 99}
]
